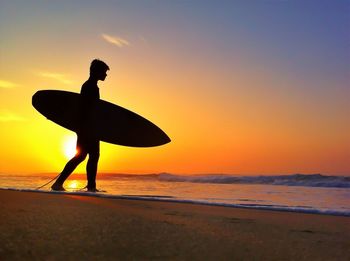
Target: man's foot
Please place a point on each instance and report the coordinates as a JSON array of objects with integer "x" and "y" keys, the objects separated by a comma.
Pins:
[
  {"x": 93, "y": 190},
  {"x": 57, "y": 187}
]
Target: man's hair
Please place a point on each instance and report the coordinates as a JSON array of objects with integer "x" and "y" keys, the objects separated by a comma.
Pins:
[{"x": 98, "y": 66}]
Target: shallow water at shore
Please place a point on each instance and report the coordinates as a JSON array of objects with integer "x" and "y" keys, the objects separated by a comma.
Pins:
[{"x": 308, "y": 199}]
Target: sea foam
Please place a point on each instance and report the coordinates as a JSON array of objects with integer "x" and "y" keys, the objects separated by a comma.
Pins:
[
  {"x": 306, "y": 180},
  {"x": 272, "y": 207}
]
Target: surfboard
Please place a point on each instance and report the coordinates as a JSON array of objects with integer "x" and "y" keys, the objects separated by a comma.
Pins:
[{"x": 110, "y": 123}]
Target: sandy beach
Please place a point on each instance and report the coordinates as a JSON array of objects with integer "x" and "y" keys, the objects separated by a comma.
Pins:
[{"x": 55, "y": 227}]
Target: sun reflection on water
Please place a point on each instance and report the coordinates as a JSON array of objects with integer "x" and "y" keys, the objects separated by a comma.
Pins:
[{"x": 74, "y": 184}]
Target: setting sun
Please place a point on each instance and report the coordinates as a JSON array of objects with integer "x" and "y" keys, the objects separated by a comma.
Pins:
[{"x": 69, "y": 146}]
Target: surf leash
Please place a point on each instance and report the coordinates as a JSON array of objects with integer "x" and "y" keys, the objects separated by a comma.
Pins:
[
  {"x": 81, "y": 189},
  {"x": 78, "y": 190},
  {"x": 48, "y": 182}
]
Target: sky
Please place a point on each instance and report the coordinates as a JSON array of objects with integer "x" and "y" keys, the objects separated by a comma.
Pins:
[{"x": 241, "y": 87}]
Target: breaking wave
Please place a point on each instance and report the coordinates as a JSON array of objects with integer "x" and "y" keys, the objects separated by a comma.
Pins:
[{"x": 312, "y": 180}]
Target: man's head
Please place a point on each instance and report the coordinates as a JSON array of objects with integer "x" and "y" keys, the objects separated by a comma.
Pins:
[{"x": 98, "y": 70}]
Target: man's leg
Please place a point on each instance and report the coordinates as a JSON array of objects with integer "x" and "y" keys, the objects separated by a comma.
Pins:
[
  {"x": 68, "y": 169},
  {"x": 91, "y": 166}
]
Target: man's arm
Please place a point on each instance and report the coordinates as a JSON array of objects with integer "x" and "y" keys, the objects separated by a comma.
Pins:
[{"x": 87, "y": 108}]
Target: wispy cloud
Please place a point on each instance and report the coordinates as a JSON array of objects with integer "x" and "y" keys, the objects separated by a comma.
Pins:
[
  {"x": 7, "y": 116},
  {"x": 120, "y": 42},
  {"x": 7, "y": 84},
  {"x": 56, "y": 76}
]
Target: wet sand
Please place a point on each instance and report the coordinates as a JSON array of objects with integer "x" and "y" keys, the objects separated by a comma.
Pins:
[{"x": 46, "y": 226}]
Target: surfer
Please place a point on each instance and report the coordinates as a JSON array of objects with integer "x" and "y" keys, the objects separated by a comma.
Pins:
[{"x": 86, "y": 142}]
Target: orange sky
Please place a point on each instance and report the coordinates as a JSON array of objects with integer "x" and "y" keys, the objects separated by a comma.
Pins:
[{"x": 236, "y": 93}]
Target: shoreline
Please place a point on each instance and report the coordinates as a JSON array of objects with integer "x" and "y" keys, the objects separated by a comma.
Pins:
[
  {"x": 171, "y": 199},
  {"x": 56, "y": 226}
]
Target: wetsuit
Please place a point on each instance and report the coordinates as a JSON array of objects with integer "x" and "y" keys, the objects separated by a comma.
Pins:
[{"x": 87, "y": 143}]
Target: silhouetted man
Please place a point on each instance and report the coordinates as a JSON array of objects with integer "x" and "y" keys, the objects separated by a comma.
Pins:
[{"x": 87, "y": 142}]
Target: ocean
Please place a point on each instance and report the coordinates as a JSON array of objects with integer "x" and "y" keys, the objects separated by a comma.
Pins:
[{"x": 315, "y": 193}]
